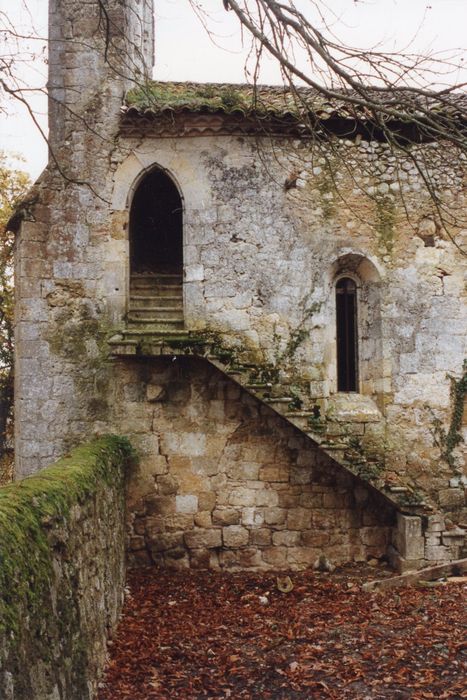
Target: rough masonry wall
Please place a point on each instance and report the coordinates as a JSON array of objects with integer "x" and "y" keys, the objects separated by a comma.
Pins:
[
  {"x": 260, "y": 265},
  {"x": 70, "y": 271},
  {"x": 62, "y": 573},
  {"x": 224, "y": 482},
  {"x": 261, "y": 261}
]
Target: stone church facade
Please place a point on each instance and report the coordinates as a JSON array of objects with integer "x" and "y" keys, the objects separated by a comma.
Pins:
[{"x": 278, "y": 325}]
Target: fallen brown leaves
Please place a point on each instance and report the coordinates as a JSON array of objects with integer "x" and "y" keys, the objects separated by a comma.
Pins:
[{"x": 214, "y": 635}]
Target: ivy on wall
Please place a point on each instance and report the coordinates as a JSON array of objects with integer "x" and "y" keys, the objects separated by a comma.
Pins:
[{"x": 447, "y": 440}]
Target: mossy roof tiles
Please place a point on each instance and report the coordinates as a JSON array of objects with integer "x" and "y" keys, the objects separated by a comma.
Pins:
[{"x": 158, "y": 98}]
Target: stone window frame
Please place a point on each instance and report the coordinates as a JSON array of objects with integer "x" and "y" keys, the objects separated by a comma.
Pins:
[{"x": 367, "y": 276}]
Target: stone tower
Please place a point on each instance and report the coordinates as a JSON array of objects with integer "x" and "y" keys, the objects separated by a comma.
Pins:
[{"x": 67, "y": 282}]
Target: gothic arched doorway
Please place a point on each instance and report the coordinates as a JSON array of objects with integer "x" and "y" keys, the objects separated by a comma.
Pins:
[{"x": 156, "y": 253}]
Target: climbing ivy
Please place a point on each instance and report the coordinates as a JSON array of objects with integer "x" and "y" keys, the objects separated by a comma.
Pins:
[{"x": 447, "y": 440}]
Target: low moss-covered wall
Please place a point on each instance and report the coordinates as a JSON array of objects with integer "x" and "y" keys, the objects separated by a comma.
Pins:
[{"x": 62, "y": 572}]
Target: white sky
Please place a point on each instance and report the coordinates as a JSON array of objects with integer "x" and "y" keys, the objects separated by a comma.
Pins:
[{"x": 184, "y": 50}]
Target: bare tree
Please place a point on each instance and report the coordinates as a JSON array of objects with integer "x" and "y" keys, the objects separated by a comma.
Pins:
[{"x": 403, "y": 99}]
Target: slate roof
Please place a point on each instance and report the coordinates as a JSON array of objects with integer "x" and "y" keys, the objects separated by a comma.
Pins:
[{"x": 158, "y": 98}]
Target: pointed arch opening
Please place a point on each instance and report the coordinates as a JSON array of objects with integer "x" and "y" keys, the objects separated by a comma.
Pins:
[
  {"x": 156, "y": 226},
  {"x": 156, "y": 255}
]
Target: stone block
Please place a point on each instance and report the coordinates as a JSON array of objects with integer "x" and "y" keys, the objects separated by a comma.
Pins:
[
  {"x": 200, "y": 558},
  {"x": 167, "y": 485},
  {"x": 288, "y": 499},
  {"x": 299, "y": 519},
  {"x": 164, "y": 541},
  {"x": 153, "y": 525},
  {"x": 226, "y": 516},
  {"x": 311, "y": 500},
  {"x": 203, "y": 519},
  {"x": 200, "y": 538},
  {"x": 243, "y": 471},
  {"x": 260, "y": 537},
  {"x": 235, "y": 536},
  {"x": 252, "y": 516},
  {"x": 275, "y": 556},
  {"x": 455, "y": 536},
  {"x": 206, "y": 500},
  {"x": 374, "y": 536},
  {"x": 179, "y": 521},
  {"x": 154, "y": 465},
  {"x": 433, "y": 539},
  {"x": 194, "y": 273},
  {"x": 249, "y": 557},
  {"x": 186, "y": 504},
  {"x": 185, "y": 444},
  {"x": 286, "y": 538},
  {"x": 435, "y": 523},
  {"x": 275, "y": 516},
  {"x": 298, "y": 557},
  {"x": 408, "y": 538},
  {"x": 300, "y": 475},
  {"x": 242, "y": 497},
  {"x": 159, "y": 505},
  {"x": 437, "y": 553},
  {"x": 266, "y": 497},
  {"x": 314, "y": 538},
  {"x": 273, "y": 473}
]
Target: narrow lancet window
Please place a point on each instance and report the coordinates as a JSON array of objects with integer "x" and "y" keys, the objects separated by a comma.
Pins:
[{"x": 347, "y": 341}]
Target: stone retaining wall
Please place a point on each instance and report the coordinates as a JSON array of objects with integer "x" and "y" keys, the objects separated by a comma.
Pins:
[
  {"x": 223, "y": 481},
  {"x": 62, "y": 573}
]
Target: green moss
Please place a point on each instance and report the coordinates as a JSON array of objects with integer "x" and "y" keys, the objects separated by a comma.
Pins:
[
  {"x": 29, "y": 507},
  {"x": 173, "y": 96}
]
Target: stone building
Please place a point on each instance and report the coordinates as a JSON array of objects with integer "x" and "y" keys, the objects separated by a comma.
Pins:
[{"x": 278, "y": 324}]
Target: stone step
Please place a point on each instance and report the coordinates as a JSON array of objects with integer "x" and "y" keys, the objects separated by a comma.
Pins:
[
  {"x": 143, "y": 328},
  {"x": 166, "y": 277},
  {"x": 152, "y": 321},
  {"x": 155, "y": 313},
  {"x": 298, "y": 420},
  {"x": 299, "y": 413},
  {"x": 262, "y": 391},
  {"x": 138, "y": 301},
  {"x": 143, "y": 290},
  {"x": 278, "y": 400},
  {"x": 236, "y": 374}
]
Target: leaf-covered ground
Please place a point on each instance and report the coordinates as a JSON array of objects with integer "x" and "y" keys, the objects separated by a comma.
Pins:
[{"x": 215, "y": 635}]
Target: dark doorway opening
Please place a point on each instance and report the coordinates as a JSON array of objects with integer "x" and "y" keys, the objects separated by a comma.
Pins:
[
  {"x": 156, "y": 226},
  {"x": 347, "y": 340}
]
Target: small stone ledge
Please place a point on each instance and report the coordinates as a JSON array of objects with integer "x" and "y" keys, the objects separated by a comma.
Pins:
[{"x": 352, "y": 408}]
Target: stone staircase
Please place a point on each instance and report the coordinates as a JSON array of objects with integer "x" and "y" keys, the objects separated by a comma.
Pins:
[
  {"x": 154, "y": 330},
  {"x": 156, "y": 303}
]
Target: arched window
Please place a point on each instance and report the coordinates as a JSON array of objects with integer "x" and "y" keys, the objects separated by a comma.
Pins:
[{"x": 346, "y": 335}]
